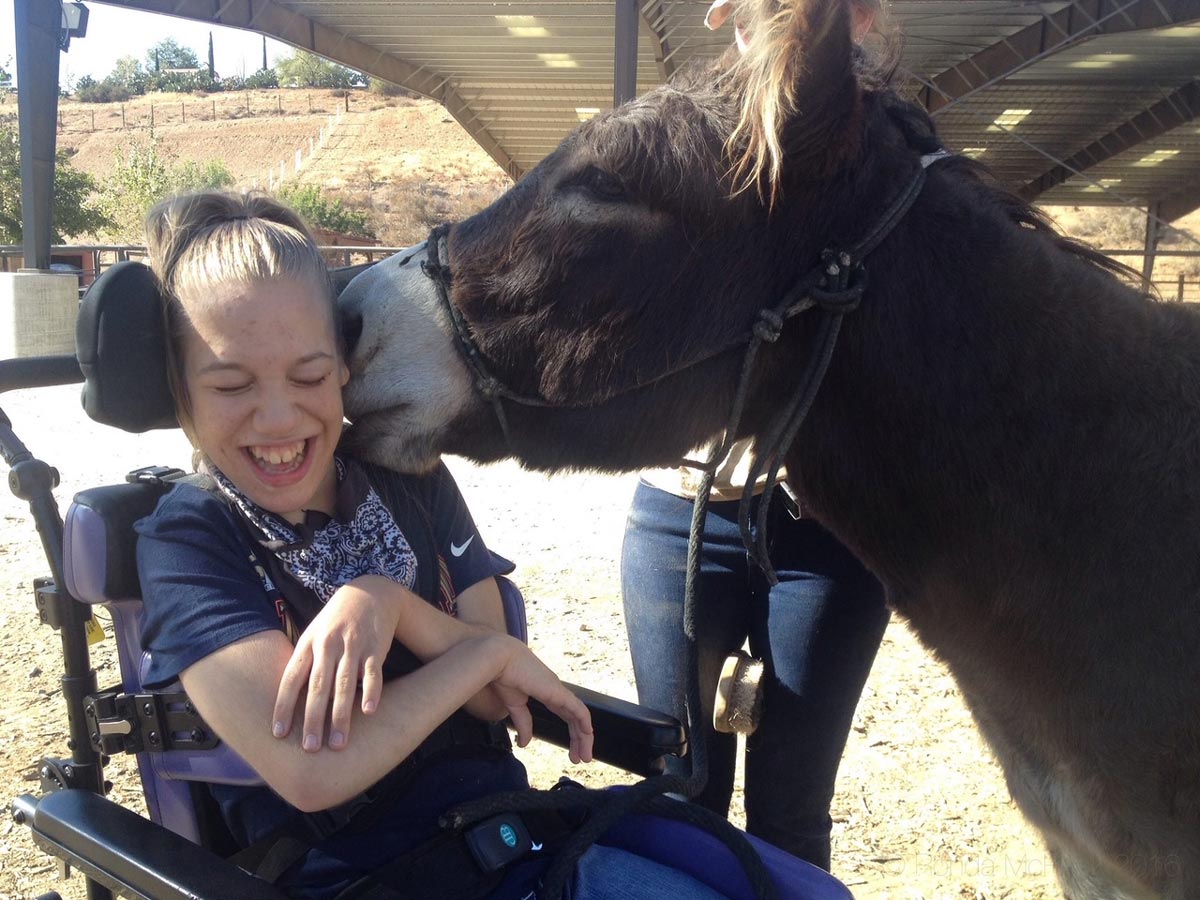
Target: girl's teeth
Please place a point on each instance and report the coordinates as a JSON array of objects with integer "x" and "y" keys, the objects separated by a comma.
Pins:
[{"x": 275, "y": 456}]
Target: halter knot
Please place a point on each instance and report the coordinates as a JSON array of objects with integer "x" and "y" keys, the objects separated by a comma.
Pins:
[
  {"x": 769, "y": 326},
  {"x": 489, "y": 387},
  {"x": 435, "y": 271},
  {"x": 841, "y": 287}
]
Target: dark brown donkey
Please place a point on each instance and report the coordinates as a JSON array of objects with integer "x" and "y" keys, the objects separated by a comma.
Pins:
[{"x": 1008, "y": 434}]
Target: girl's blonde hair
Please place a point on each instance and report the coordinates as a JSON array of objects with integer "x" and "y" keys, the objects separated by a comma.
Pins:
[{"x": 199, "y": 241}]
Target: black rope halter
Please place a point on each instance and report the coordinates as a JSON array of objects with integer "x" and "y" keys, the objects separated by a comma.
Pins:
[{"x": 835, "y": 286}]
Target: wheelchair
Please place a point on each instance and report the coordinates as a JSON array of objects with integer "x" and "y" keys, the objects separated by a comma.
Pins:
[{"x": 182, "y": 849}]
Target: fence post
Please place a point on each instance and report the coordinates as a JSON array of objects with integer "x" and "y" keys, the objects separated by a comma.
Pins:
[
  {"x": 247, "y": 103},
  {"x": 122, "y": 116},
  {"x": 214, "y": 118},
  {"x": 152, "y": 118},
  {"x": 347, "y": 101},
  {"x": 182, "y": 113},
  {"x": 310, "y": 104},
  {"x": 1179, "y": 289},
  {"x": 93, "y": 120},
  {"x": 279, "y": 103}
]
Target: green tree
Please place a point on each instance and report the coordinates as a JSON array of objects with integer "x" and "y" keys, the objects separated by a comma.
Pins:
[
  {"x": 304, "y": 69},
  {"x": 145, "y": 172},
  {"x": 74, "y": 211},
  {"x": 170, "y": 54},
  {"x": 128, "y": 74},
  {"x": 322, "y": 211}
]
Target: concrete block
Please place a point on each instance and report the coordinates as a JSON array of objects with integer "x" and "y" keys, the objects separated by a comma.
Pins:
[{"x": 37, "y": 313}]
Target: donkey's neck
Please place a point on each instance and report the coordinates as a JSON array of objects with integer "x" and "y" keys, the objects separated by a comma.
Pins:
[{"x": 1003, "y": 425}]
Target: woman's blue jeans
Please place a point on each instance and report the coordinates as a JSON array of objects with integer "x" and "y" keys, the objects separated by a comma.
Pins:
[{"x": 817, "y": 632}]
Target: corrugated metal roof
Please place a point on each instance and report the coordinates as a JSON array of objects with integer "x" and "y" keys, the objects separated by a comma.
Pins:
[{"x": 1112, "y": 86}]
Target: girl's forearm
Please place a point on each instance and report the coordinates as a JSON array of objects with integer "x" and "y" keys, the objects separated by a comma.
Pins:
[{"x": 410, "y": 709}]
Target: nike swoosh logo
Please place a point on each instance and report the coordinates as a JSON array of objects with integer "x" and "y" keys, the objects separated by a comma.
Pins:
[
  {"x": 460, "y": 549},
  {"x": 535, "y": 847}
]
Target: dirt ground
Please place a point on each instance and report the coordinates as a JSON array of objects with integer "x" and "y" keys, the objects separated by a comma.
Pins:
[{"x": 921, "y": 812}]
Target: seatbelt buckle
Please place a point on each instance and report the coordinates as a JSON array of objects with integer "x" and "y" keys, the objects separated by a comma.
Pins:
[{"x": 496, "y": 842}]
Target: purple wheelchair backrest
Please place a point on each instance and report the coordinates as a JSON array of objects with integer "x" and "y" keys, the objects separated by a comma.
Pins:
[{"x": 165, "y": 775}]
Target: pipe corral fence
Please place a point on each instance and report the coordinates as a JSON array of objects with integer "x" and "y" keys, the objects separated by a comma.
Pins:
[{"x": 88, "y": 261}]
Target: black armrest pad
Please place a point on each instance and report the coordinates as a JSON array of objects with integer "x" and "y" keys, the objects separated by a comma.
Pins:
[
  {"x": 119, "y": 848},
  {"x": 631, "y": 737}
]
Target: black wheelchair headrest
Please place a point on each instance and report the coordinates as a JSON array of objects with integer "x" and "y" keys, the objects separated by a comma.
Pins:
[
  {"x": 121, "y": 344},
  {"x": 120, "y": 341}
]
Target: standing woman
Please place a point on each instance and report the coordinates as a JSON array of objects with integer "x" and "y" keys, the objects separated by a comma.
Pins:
[{"x": 816, "y": 632}]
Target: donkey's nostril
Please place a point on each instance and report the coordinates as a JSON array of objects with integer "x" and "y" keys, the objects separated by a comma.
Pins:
[{"x": 352, "y": 326}]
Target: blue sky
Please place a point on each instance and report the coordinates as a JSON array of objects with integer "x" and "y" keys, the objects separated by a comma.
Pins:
[{"x": 114, "y": 32}]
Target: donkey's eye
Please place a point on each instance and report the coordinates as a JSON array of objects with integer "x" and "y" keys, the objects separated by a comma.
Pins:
[{"x": 601, "y": 185}]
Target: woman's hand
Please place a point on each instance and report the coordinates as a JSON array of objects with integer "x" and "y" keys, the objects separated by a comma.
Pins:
[
  {"x": 525, "y": 676},
  {"x": 346, "y": 642}
]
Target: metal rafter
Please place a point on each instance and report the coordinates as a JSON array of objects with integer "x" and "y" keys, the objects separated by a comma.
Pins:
[
  {"x": 1178, "y": 108},
  {"x": 1078, "y": 21},
  {"x": 654, "y": 23}
]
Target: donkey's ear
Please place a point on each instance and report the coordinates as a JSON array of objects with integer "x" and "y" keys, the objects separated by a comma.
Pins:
[{"x": 797, "y": 86}]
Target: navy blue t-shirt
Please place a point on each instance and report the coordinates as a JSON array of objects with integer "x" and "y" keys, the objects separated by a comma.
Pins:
[{"x": 203, "y": 591}]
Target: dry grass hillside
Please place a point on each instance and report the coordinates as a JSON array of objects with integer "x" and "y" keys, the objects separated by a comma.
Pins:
[
  {"x": 407, "y": 163},
  {"x": 404, "y": 161}
]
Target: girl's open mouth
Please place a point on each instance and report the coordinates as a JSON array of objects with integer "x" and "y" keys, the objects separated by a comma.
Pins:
[{"x": 276, "y": 460}]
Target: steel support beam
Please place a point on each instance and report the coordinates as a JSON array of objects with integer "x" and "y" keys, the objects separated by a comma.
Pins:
[
  {"x": 1150, "y": 246},
  {"x": 1076, "y": 22},
  {"x": 38, "y": 23},
  {"x": 291, "y": 27},
  {"x": 625, "y": 51},
  {"x": 654, "y": 23},
  {"x": 1177, "y": 108}
]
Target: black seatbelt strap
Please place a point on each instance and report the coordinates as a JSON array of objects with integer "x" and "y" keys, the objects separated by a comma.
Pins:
[{"x": 466, "y": 864}]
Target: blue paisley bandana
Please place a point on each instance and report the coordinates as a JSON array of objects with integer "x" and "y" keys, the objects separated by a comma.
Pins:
[{"x": 325, "y": 553}]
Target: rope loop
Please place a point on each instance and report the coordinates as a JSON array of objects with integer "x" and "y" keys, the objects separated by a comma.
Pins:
[
  {"x": 843, "y": 292},
  {"x": 769, "y": 326},
  {"x": 435, "y": 271},
  {"x": 489, "y": 388}
]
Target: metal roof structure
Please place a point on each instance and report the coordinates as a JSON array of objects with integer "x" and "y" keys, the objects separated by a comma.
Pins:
[{"x": 1086, "y": 102}]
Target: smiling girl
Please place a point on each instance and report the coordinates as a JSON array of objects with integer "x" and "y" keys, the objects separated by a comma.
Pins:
[{"x": 300, "y": 565}]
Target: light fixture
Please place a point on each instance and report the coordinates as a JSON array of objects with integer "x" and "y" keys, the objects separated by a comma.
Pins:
[
  {"x": 558, "y": 60},
  {"x": 523, "y": 26},
  {"x": 1158, "y": 156},
  {"x": 1008, "y": 119}
]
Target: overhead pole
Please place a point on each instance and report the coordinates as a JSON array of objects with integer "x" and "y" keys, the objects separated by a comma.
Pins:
[
  {"x": 38, "y": 25},
  {"x": 1151, "y": 245},
  {"x": 625, "y": 51}
]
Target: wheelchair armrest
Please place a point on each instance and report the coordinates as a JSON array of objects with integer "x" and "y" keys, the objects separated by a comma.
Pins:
[
  {"x": 118, "y": 848},
  {"x": 631, "y": 737}
]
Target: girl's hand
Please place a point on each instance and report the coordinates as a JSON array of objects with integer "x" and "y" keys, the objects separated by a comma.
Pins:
[
  {"x": 526, "y": 676},
  {"x": 346, "y": 642}
]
